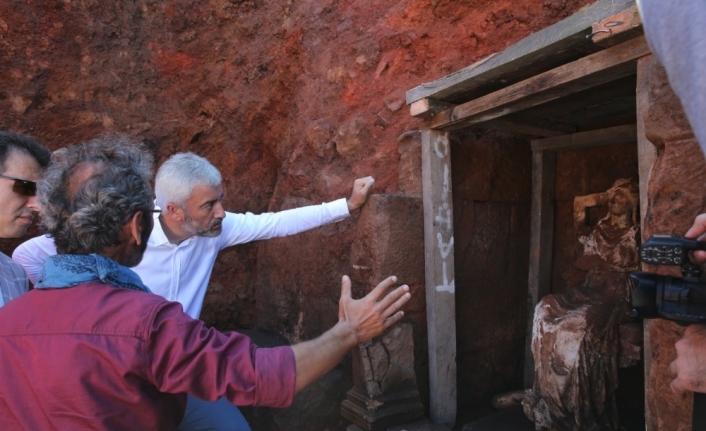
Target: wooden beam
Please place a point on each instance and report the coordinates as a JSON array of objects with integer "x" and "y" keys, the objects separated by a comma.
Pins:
[
  {"x": 559, "y": 37},
  {"x": 593, "y": 138},
  {"x": 426, "y": 108},
  {"x": 646, "y": 151},
  {"x": 646, "y": 157},
  {"x": 541, "y": 243},
  {"x": 613, "y": 92},
  {"x": 617, "y": 28},
  {"x": 522, "y": 125},
  {"x": 439, "y": 275},
  {"x": 590, "y": 71}
]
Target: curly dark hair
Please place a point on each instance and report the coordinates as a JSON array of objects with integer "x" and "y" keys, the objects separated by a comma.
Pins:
[{"x": 88, "y": 217}]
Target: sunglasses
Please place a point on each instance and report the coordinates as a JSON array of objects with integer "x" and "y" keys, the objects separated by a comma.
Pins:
[{"x": 22, "y": 187}]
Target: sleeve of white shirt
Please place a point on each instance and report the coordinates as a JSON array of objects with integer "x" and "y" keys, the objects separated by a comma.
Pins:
[
  {"x": 31, "y": 255},
  {"x": 242, "y": 228}
]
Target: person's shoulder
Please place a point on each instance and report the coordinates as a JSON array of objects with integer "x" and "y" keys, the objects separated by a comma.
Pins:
[
  {"x": 9, "y": 265},
  {"x": 43, "y": 242}
]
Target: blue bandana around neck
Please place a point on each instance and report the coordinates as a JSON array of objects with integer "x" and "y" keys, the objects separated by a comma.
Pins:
[{"x": 68, "y": 270}]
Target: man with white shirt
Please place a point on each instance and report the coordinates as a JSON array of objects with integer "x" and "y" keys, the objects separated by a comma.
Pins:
[
  {"x": 188, "y": 233},
  {"x": 21, "y": 163}
]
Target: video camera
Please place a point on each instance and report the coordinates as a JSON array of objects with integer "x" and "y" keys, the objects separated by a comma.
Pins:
[{"x": 682, "y": 300}]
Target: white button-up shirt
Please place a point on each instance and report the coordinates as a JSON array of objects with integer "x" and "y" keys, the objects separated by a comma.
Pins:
[{"x": 180, "y": 272}]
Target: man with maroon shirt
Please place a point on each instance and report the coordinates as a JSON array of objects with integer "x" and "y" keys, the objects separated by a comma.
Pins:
[{"x": 89, "y": 348}]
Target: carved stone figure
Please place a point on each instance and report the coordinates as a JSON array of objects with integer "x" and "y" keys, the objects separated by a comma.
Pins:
[{"x": 575, "y": 335}]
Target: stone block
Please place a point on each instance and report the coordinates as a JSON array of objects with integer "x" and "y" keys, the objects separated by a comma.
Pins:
[
  {"x": 385, "y": 388},
  {"x": 390, "y": 241},
  {"x": 386, "y": 363}
]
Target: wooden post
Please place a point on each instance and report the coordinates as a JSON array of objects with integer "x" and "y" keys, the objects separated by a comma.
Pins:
[
  {"x": 541, "y": 243},
  {"x": 439, "y": 275},
  {"x": 646, "y": 157},
  {"x": 646, "y": 152}
]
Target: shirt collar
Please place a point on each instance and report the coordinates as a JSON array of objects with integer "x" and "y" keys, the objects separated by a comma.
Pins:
[{"x": 157, "y": 237}]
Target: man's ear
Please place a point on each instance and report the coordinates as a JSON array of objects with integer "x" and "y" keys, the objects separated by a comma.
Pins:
[
  {"x": 135, "y": 227},
  {"x": 175, "y": 212}
]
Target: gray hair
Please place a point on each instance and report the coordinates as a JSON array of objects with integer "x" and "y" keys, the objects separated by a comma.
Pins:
[
  {"x": 179, "y": 175},
  {"x": 91, "y": 217}
]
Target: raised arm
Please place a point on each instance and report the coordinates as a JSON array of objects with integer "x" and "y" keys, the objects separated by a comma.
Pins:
[
  {"x": 358, "y": 321},
  {"x": 583, "y": 202},
  {"x": 242, "y": 228},
  {"x": 359, "y": 194}
]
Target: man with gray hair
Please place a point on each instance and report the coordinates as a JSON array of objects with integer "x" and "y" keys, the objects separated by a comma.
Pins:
[
  {"x": 190, "y": 230},
  {"x": 193, "y": 227},
  {"x": 121, "y": 358},
  {"x": 21, "y": 163}
]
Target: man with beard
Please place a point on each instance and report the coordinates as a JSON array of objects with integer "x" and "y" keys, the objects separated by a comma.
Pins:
[
  {"x": 90, "y": 348},
  {"x": 190, "y": 230},
  {"x": 21, "y": 163},
  {"x": 193, "y": 227}
]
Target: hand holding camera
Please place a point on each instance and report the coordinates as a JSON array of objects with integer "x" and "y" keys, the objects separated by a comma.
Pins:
[{"x": 682, "y": 300}]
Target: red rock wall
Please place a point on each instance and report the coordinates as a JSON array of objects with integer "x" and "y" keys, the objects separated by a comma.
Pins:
[
  {"x": 291, "y": 100},
  {"x": 676, "y": 196}
]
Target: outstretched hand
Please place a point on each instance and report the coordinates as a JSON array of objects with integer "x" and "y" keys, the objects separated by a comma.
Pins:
[
  {"x": 698, "y": 231},
  {"x": 361, "y": 188},
  {"x": 358, "y": 321},
  {"x": 689, "y": 369},
  {"x": 367, "y": 317}
]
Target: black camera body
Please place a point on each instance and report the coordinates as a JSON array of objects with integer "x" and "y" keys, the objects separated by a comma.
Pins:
[{"x": 682, "y": 300}]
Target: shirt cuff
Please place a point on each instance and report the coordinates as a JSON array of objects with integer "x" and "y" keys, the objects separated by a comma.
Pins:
[
  {"x": 277, "y": 376},
  {"x": 338, "y": 209}
]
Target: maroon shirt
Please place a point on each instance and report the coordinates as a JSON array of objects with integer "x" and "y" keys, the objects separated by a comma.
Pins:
[{"x": 97, "y": 357}]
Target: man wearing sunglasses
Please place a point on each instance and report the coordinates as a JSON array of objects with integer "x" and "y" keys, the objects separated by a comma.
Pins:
[
  {"x": 189, "y": 231},
  {"x": 89, "y": 348},
  {"x": 21, "y": 163}
]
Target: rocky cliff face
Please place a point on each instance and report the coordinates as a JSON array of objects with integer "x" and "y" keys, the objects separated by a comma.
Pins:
[{"x": 290, "y": 99}]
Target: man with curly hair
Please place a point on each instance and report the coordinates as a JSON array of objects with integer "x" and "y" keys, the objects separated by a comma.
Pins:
[
  {"x": 91, "y": 348},
  {"x": 189, "y": 232}
]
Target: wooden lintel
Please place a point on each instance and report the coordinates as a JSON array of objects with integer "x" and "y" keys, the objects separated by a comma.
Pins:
[
  {"x": 593, "y": 138},
  {"x": 618, "y": 28},
  {"x": 590, "y": 71},
  {"x": 537, "y": 47},
  {"x": 428, "y": 107},
  {"x": 521, "y": 125}
]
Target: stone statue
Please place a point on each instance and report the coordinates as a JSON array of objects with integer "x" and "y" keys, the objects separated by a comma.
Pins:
[{"x": 575, "y": 335}]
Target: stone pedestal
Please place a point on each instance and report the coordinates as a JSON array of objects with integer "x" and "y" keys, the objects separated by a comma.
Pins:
[
  {"x": 385, "y": 387},
  {"x": 390, "y": 241}
]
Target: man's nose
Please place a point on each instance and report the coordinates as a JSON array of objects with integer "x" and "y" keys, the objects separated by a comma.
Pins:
[
  {"x": 219, "y": 212},
  {"x": 33, "y": 203}
]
